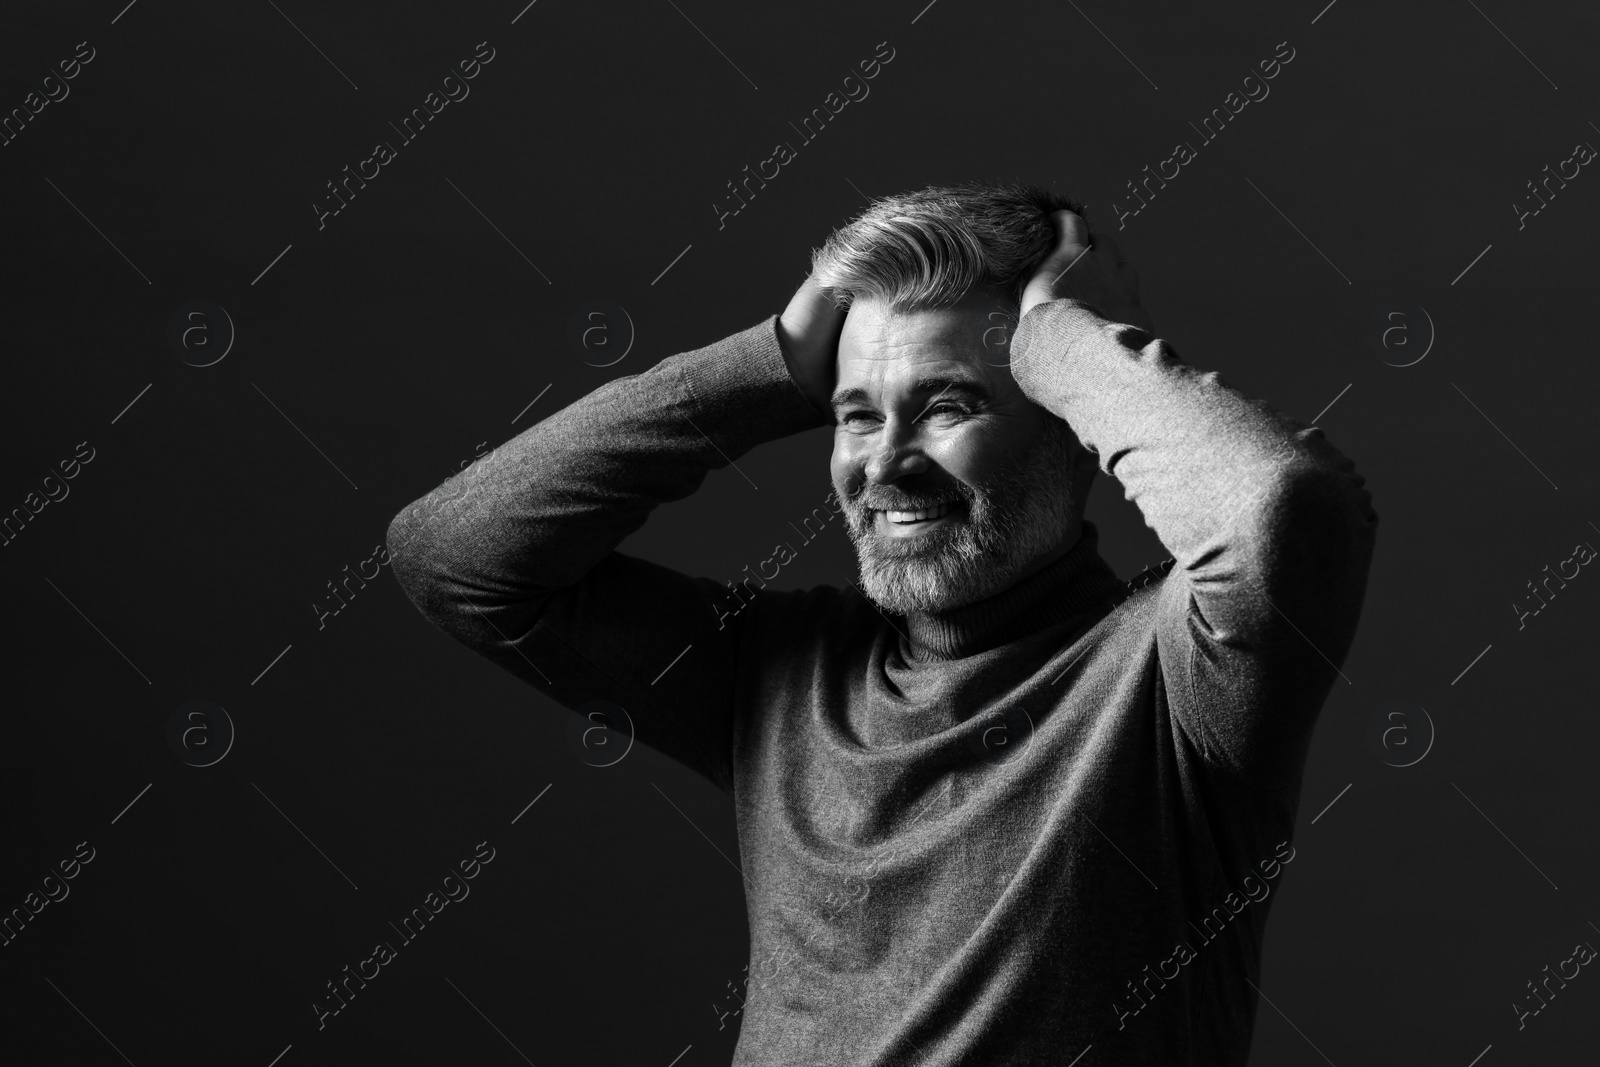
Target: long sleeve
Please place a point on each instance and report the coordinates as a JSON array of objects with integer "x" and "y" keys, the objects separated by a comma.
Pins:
[
  {"x": 1269, "y": 526},
  {"x": 516, "y": 557}
]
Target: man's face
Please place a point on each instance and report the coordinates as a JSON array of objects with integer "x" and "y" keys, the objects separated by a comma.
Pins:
[{"x": 929, "y": 417}]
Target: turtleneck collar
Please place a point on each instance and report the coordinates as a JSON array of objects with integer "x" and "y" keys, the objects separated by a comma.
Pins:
[{"x": 1067, "y": 588}]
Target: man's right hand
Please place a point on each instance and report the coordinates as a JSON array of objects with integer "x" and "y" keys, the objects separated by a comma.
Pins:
[{"x": 808, "y": 333}]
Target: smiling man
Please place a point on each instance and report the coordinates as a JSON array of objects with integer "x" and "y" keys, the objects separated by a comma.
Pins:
[
  {"x": 970, "y": 485},
  {"x": 995, "y": 806}
]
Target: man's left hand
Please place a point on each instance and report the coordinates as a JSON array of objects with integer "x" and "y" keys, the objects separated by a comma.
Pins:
[{"x": 1098, "y": 276}]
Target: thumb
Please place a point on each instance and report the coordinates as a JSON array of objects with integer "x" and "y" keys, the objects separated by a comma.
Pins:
[
  {"x": 1072, "y": 238},
  {"x": 1072, "y": 241},
  {"x": 1071, "y": 228}
]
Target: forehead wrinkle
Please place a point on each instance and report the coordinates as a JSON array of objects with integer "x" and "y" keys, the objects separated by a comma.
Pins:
[
  {"x": 891, "y": 346},
  {"x": 908, "y": 375},
  {"x": 933, "y": 329},
  {"x": 917, "y": 350}
]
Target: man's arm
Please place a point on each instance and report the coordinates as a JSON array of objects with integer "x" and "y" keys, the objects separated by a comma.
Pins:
[
  {"x": 1270, "y": 527},
  {"x": 515, "y": 556}
]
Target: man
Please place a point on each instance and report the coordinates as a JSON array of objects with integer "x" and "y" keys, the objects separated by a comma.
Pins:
[{"x": 994, "y": 806}]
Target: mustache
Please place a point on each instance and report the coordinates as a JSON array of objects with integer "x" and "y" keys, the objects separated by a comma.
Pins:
[{"x": 862, "y": 503}]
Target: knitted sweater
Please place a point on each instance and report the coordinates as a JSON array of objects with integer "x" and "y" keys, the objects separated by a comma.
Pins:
[{"x": 1039, "y": 829}]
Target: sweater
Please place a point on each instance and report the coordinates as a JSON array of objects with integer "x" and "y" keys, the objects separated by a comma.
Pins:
[{"x": 1039, "y": 829}]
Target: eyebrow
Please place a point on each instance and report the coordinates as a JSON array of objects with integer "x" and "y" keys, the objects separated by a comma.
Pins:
[{"x": 965, "y": 387}]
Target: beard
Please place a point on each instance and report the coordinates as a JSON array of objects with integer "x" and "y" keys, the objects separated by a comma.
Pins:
[{"x": 1008, "y": 520}]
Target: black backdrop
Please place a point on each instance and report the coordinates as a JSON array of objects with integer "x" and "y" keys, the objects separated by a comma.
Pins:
[{"x": 1374, "y": 187}]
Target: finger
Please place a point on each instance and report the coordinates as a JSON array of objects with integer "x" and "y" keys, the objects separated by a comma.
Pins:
[
  {"x": 1072, "y": 235},
  {"x": 811, "y": 304},
  {"x": 1071, "y": 246},
  {"x": 810, "y": 291},
  {"x": 1071, "y": 229}
]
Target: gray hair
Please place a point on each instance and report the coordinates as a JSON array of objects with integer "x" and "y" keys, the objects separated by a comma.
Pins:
[{"x": 932, "y": 247}]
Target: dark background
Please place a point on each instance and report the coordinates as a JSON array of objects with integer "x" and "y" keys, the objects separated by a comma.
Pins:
[{"x": 406, "y": 335}]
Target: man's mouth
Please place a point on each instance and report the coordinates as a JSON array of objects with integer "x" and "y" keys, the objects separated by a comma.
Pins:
[{"x": 898, "y": 521}]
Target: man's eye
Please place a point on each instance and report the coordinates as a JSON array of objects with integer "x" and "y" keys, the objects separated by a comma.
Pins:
[{"x": 946, "y": 407}]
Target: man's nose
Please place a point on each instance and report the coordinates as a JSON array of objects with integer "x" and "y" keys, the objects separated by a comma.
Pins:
[{"x": 895, "y": 457}]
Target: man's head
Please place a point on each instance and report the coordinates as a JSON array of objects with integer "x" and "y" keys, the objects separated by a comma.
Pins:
[{"x": 928, "y": 412}]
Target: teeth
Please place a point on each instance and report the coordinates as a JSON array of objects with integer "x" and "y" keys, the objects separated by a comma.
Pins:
[{"x": 919, "y": 516}]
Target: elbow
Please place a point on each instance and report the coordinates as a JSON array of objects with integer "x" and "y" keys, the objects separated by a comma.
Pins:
[
  {"x": 1324, "y": 510},
  {"x": 414, "y": 560},
  {"x": 1321, "y": 474},
  {"x": 421, "y": 561},
  {"x": 439, "y": 562}
]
